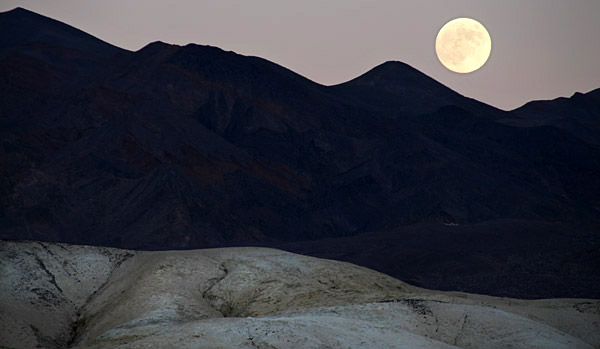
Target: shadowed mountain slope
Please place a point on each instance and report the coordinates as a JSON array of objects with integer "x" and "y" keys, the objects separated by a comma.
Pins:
[
  {"x": 579, "y": 115},
  {"x": 506, "y": 258},
  {"x": 398, "y": 90},
  {"x": 193, "y": 146}
]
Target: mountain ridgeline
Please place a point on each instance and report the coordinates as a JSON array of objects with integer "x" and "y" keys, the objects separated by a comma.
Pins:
[{"x": 173, "y": 147}]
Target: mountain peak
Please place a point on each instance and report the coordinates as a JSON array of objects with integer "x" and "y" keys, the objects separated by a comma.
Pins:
[
  {"x": 157, "y": 46},
  {"x": 19, "y": 11},
  {"x": 397, "y": 65},
  {"x": 394, "y": 65},
  {"x": 21, "y": 27},
  {"x": 389, "y": 73},
  {"x": 399, "y": 89}
]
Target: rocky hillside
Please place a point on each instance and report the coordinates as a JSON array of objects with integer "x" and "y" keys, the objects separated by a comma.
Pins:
[
  {"x": 59, "y": 295},
  {"x": 192, "y": 146},
  {"x": 182, "y": 147}
]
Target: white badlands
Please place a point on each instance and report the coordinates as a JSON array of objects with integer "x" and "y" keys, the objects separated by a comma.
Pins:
[{"x": 58, "y": 295}]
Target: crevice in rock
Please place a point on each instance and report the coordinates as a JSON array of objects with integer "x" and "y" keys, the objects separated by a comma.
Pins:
[
  {"x": 46, "y": 341},
  {"x": 75, "y": 328},
  {"x": 52, "y": 278},
  {"x": 46, "y": 248},
  {"x": 225, "y": 310},
  {"x": 460, "y": 332},
  {"x": 418, "y": 305},
  {"x": 79, "y": 323}
]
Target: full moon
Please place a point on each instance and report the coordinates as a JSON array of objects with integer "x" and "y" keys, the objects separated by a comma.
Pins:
[{"x": 463, "y": 45}]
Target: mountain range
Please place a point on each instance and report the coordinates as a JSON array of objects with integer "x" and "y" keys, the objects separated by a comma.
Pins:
[{"x": 179, "y": 147}]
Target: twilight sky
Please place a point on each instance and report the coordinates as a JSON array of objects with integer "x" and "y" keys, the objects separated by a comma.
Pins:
[{"x": 541, "y": 49}]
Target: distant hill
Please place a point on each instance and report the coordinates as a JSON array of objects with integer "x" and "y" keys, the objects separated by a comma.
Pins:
[
  {"x": 175, "y": 147},
  {"x": 578, "y": 115},
  {"x": 398, "y": 90}
]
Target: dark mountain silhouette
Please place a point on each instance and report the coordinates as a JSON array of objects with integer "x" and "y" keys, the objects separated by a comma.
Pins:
[
  {"x": 185, "y": 147},
  {"x": 509, "y": 258},
  {"x": 398, "y": 90},
  {"x": 38, "y": 35},
  {"x": 578, "y": 115}
]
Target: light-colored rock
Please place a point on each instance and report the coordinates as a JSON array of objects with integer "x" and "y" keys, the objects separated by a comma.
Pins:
[
  {"x": 43, "y": 286},
  {"x": 57, "y": 295}
]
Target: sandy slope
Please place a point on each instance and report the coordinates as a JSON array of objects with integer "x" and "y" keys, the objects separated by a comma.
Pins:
[{"x": 58, "y": 295}]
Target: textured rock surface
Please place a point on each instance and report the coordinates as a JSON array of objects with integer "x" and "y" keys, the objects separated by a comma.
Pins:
[
  {"x": 57, "y": 295},
  {"x": 43, "y": 287}
]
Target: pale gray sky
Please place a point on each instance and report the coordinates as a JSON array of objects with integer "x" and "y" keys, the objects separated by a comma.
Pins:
[{"x": 541, "y": 49}]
